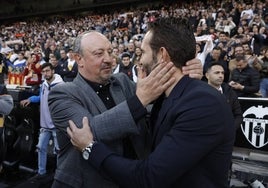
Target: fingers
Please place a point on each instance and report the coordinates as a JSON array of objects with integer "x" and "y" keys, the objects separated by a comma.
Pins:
[
  {"x": 71, "y": 128},
  {"x": 193, "y": 68},
  {"x": 141, "y": 72},
  {"x": 85, "y": 122},
  {"x": 161, "y": 69}
]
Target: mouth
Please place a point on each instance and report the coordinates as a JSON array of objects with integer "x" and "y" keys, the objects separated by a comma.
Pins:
[{"x": 107, "y": 68}]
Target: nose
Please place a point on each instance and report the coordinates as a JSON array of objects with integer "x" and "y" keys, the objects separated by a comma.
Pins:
[{"x": 108, "y": 58}]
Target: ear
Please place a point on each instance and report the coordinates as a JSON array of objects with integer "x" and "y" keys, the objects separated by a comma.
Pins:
[
  {"x": 164, "y": 54},
  {"x": 206, "y": 75},
  {"x": 77, "y": 58}
]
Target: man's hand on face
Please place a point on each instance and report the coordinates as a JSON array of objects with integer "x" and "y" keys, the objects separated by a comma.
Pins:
[
  {"x": 193, "y": 68},
  {"x": 152, "y": 86},
  {"x": 80, "y": 138}
]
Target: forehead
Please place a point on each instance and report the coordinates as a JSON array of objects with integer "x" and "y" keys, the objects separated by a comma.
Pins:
[
  {"x": 94, "y": 41},
  {"x": 217, "y": 68},
  {"x": 46, "y": 68},
  {"x": 146, "y": 40},
  {"x": 238, "y": 48}
]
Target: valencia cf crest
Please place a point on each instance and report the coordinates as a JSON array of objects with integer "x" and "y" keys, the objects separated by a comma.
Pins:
[{"x": 255, "y": 125}]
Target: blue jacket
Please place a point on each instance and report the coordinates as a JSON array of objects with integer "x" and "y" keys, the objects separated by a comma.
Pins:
[{"x": 45, "y": 117}]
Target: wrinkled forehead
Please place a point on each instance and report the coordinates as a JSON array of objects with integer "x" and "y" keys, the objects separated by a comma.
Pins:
[{"x": 94, "y": 41}]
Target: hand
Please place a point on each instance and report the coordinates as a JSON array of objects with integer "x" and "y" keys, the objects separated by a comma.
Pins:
[
  {"x": 193, "y": 68},
  {"x": 152, "y": 86},
  {"x": 236, "y": 85},
  {"x": 25, "y": 102},
  {"x": 80, "y": 138}
]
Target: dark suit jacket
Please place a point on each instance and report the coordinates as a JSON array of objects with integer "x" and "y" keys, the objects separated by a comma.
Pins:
[
  {"x": 74, "y": 100},
  {"x": 193, "y": 138},
  {"x": 233, "y": 102}
]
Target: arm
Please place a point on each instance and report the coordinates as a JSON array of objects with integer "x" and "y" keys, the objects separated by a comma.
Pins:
[
  {"x": 236, "y": 109},
  {"x": 65, "y": 104},
  {"x": 181, "y": 148},
  {"x": 254, "y": 83},
  {"x": 76, "y": 100},
  {"x": 6, "y": 103}
]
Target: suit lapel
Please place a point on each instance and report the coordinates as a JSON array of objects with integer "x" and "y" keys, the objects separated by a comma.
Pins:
[
  {"x": 167, "y": 103},
  {"x": 90, "y": 93}
]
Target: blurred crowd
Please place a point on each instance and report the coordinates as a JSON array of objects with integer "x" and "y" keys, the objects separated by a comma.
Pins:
[{"x": 229, "y": 32}]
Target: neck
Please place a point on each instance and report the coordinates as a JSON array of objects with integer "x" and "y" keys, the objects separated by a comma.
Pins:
[
  {"x": 213, "y": 85},
  {"x": 177, "y": 75}
]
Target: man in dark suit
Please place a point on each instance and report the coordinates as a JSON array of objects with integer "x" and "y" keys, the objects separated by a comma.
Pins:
[
  {"x": 112, "y": 103},
  {"x": 215, "y": 76},
  {"x": 192, "y": 126}
]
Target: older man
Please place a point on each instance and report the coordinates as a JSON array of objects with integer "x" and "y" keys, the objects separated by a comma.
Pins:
[{"x": 113, "y": 104}]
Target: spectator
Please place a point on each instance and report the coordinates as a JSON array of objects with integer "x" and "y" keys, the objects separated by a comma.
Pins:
[
  {"x": 239, "y": 51},
  {"x": 47, "y": 130},
  {"x": 20, "y": 62},
  {"x": 53, "y": 60},
  {"x": 264, "y": 75},
  {"x": 244, "y": 80},
  {"x": 127, "y": 67},
  {"x": 69, "y": 69},
  {"x": 32, "y": 71}
]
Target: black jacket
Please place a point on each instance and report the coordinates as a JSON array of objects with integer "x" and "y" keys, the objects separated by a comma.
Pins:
[{"x": 233, "y": 101}]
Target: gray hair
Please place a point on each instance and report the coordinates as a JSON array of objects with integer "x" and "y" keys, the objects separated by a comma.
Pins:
[{"x": 77, "y": 42}]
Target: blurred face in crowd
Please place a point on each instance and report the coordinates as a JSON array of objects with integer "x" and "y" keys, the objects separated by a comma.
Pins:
[
  {"x": 222, "y": 37},
  {"x": 239, "y": 50},
  {"x": 246, "y": 48},
  {"x": 21, "y": 56},
  {"x": 216, "y": 54},
  {"x": 240, "y": 65},
  {"x": 33, "y": 58},
  {"x": 53, "y": 61},
  {"x": 215, "y": 76},
  {"x": 114, "y": 63},
  {"x": 71, "y": 54},
  {"x": 63, "y": 54},
  {"x": 95, "y": 61},
  {"x": 121, "y": 48},
  {"x": 47, "y": 73},
  {"x": 116, "y": 51},
  {"x": 131, "y": 47},
  {"x": 126, "y": 61},
  {"x": 138, "y": 51}
]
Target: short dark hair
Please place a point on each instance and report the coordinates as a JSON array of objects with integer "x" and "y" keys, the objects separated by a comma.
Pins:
[
  {"x": 125, "y": 54},
  {"x": 176, "y": 35},
  {"x": 213, "y": 63},
  {"x": 47, "y": 65},
  {"x": 240, "y": 57}
]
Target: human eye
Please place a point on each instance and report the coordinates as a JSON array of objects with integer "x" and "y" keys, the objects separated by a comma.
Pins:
[
  {"x": 110, "y": 52},
  {"x": 98, "y": 53}
]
